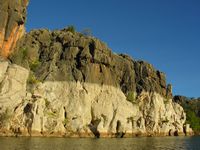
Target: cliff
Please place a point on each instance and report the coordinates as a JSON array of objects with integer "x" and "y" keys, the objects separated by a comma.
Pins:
[
  {"x": 64, "y": 83},
  {"x": 192, "y": 109},
  {"x": 12, "y": 19},
  {"x": 78, "y": 87}
]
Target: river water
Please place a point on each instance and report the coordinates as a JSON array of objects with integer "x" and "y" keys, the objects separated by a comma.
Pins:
[{"x": 139, "y": 143}]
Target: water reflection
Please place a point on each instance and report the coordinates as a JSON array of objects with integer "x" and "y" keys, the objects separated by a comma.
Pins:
[{"x": 143, "y": 143}]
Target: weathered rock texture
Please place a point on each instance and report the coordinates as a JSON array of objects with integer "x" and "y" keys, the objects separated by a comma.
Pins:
[
  {"x": 12, "y": 19},
  {"x": 64, "y": 108},
  {"x": 62, "y": 83},
  {"x": 65, "y": 56},
  {"x": 78, "y": 87}
]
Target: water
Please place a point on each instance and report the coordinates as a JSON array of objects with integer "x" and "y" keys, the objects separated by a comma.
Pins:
[{"x": 143, "y": 143}]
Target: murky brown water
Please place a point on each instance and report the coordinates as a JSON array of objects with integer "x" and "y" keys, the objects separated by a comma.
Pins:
[{"x": 143, "y": 143}]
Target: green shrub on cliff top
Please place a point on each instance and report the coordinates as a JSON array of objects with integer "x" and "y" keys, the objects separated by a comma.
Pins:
[{"x": 71, "y": 29}]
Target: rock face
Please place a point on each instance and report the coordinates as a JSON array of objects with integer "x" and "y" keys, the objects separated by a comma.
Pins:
[
  {"x": 63, "y": 108},
  {"x": 188, "y": 103},
  {"x": 65, "y": 56},
  {"x": 192, "y": 108},
  {"x": 78, "y": 87},
  {"x": 12, "y": 90},
  {"x": 13, "y": 84},
  {"x": 12, "y": 19},
  {"x": 63, "y": 83}
]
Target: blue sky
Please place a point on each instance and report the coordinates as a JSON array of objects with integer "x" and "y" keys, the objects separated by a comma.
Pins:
[{"x": 166, "y": 33}]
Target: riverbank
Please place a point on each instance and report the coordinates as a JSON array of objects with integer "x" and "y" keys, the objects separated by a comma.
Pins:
[{"x": 8, "y": 133}]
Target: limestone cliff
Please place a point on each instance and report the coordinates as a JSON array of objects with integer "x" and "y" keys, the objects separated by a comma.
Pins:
[
  {"x": 64, "y": 108},
  {"x": 12, "y": 19}
]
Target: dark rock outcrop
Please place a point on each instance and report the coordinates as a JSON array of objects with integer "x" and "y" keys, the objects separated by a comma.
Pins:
[{"x": 66, "y": 56}]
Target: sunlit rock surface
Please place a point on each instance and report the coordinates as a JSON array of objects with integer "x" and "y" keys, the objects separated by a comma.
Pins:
[
  {"x": 63, "y": 108},
  {"x": 12, "y": 20},
  {"x": 65, "y": 83}
]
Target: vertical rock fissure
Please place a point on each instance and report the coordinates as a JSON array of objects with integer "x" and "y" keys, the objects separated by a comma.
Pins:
[{"x": 28, "y": 117}]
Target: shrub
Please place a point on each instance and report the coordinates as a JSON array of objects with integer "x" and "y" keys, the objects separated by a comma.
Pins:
[
  {"x": 34, "y": 65},
  {"x": 193, "y": 120},
  {"x": 32, "y": 79},
  {"x": 71, "y": 29},
  {"x": 20, "y": 56},
  {"x": 24, "y": 52},
  {"x": 131, "y": 97}
]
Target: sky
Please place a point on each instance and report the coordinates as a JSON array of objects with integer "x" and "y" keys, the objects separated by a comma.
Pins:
[{"x": 165, "y": 33}]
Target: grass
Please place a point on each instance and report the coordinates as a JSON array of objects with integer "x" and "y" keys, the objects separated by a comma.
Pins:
[
  {"x": 34, "y": 65},
  {"x": 32, "y": 79},
  {"x": 131, "y": 97},
  {"x": 51, "y": 114}
]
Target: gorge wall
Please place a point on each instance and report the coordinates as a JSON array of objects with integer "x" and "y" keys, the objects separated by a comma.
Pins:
[
  {"x": 74, "y": 85},
  {"x": 12, "y": 19},
  {"x": 192, "y": 108},
  {"x": 64, "y": 83}
]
